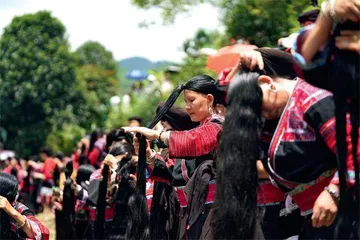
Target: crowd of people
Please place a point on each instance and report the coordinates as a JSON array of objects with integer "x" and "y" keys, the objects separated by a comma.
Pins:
[{"x": 269, "y": 150}]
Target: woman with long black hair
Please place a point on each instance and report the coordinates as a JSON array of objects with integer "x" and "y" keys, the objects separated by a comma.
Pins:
[
  {"x": 277, "y": 222},
  {"x": 301, "y": 158},
  {"x": 101, "y": 211},
  {"x": 328, "y": 56},
  {"x": 16, "y": 220},
  {"x": 201, "y": 96},
  {"x": 170, "y": 175}
]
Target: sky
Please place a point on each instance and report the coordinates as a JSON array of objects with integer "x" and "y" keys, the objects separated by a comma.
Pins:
[{"x": 114, "y": 23}]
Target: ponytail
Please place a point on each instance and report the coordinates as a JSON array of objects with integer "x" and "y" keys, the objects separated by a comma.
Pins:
[
  {"x": 236, "y": 194},
  {"x": 101, "y": 204}
]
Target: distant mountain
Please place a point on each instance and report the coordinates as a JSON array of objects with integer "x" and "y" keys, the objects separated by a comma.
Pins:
[
  {"x": 140, "y": 63},
  {"x": 143, "y": 64}
]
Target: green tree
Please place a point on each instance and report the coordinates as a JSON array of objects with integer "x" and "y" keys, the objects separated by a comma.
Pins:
[
  {"x": 37, "y": 74},
  {"x": 93, "y": 53},
  {"x": 97, "y": 81},
  {"x": 262, "y": 22},
  {"x": 170, "y": 8}
]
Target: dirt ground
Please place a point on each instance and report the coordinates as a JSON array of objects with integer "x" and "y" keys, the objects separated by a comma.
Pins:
[{"x": 48, "y": 219}]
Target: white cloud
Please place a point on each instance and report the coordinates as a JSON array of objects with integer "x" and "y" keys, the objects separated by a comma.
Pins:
[{"x": 114, "y": 23}]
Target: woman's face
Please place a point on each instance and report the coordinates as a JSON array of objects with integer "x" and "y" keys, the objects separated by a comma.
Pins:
[
  {"x": 197, "y": 105},
  {"x": 166, "y": 125},
  {"x": 275, "y": 98}
]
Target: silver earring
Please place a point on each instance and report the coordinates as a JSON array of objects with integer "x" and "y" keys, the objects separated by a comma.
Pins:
[
  {"x": 273, "y": 89},
  {"x": 211, "y": 110}
]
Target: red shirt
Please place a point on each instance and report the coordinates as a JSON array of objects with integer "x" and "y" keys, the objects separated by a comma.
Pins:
[{"x": 48, "y": 168}]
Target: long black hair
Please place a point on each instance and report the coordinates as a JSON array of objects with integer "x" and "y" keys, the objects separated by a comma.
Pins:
[
  {"x": 83, "y": 173},
  {"x": 342, "y": 74},
  {"x": 117, "y": 149},
  {"x": 8, "y": 190},
  {"x": 236, "y": 196},
  {"x": 69, "y": 209},
  {"x": 95, "y": 135},
  {"x": 124, "y": 223},
  {"x": 201, "y": 84},
  {"x": 117, "y": 135}
]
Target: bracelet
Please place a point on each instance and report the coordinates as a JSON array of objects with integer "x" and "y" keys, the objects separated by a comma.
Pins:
[
  {"x": 151, "y": 159},
  {"x": 333, "y": 193},
  {"x": 23, "y": 225},
  {"x": 332, "y": 10},
  {"x": 325, "y": 9}
]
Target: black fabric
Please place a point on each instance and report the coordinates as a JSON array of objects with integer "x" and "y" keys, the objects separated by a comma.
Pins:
[
  {"x": 310, "y": 16},
  {"x": 276, "y": 227},
  {"x": 93, "y": 192},
  {"x": 164, "y": 218},
  {"x": 196, "y": 191},
  {"x": 309, "y": 159}
]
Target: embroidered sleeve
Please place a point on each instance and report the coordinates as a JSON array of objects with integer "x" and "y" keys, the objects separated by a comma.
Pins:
[
  {"x": 319, "y": 58},
  {"x": 39, "y": 231},
  {"x": 195, "y": 142},
  {"x": 322, "y": 119}
]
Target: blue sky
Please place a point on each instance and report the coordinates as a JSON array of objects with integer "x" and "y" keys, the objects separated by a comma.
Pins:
[{"x": 114, "y": 23}]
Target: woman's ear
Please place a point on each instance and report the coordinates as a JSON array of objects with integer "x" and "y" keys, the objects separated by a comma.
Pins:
[
  {"x": 210, "y": 98},
  {"x": 263, "y": 79}
]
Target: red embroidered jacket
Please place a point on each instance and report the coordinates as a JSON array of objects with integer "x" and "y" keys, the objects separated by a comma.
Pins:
[
  {"x": 39, "y": 231},
  {"x": 302, "y": 151},
  {"x": 196, "y": 142}
]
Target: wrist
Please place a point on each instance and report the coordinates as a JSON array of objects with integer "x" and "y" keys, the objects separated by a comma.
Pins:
[{"x": 334, "y": 191}]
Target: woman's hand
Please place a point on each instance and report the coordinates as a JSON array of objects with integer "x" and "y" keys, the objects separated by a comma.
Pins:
[
  {"x": 348, "y": 40},
  {"x": 347, "y": 10},
  {"x": 111, "y": 161},
  {"x": 325, "y": 209},
  {"x": 136, "y": 144},
  {"x": 6, "y": 206},
  {"x": 150, "y": 134},
  {"x": 251, "y": 59}
]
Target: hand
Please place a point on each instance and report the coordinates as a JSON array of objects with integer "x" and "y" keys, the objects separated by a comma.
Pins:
[
  {"x": 37, "y": 175},
  {"x": 150, "y": 134},
  {"x": 348, "y": 40},
  {"x": 111, "y": 161},
  {"x": 31, "y": 163},
  {"x": 5, "y": 205},
  {"x": 347, "y": 10},
  {"x": 136, "y": 144},
  {"x": 251, "y": 59},
  {"x": 325, "y": 209}
]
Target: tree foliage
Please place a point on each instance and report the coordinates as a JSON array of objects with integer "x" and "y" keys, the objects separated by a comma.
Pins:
[
  {"x": 97, "y": 81},
  {"x": 170, "y": 8},
  {"x": 262, "y": 22},
  {"x": 37, "y": 73},
  {"x": 93, "y": 53}
]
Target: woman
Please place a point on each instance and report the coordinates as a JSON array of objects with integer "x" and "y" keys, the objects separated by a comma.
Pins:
[
  {"x": 96, "y": 149},
  {"x": 301, "y": 158},
  {"x": 81, "y": 212},
  {"x": 327, "y": 56},
  {"x": 16, "y": 220},
  {"x": 276, "y": 221},
  {"x": 201, "y": 96},
  {"x": 94, "y": 193},
  {"x": 167, "y": 174}
]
